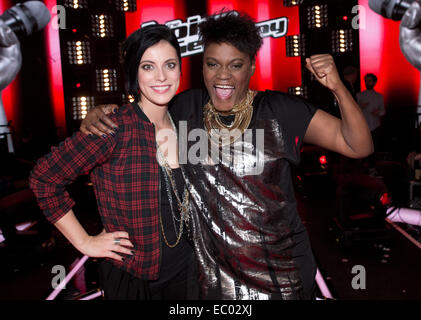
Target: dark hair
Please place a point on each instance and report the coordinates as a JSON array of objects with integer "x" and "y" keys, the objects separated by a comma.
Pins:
[
  {"x": 135, "y": 46},
  {"x": 373, "y": 76},
  {"x": 237, "y": 29}
]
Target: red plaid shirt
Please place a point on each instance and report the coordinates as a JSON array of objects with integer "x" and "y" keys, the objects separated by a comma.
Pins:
[{"x": 125, "y": 175}]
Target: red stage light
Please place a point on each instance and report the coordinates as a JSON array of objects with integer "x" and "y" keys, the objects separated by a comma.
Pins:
[
  {"x": 323, "y": 160},
  {"x": 385, "y": 199},
  {"x": 74, "y": 30},
  {"x": 77, "y": 85},
  {"x": 345, "y": 18}
]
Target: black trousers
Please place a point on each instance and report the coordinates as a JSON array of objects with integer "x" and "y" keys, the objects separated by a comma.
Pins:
[{"x": 121, "y": 285}]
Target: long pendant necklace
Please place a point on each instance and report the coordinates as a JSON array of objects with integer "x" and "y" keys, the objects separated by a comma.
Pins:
[{"x": 182, "y": 204}]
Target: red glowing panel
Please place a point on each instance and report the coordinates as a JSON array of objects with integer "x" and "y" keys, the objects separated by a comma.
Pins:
[
  {"x": 385, "y": 199},
  {"x": 264, "y": 58},
  {"x": 4, "y": 5},
  {"x": 286, "y": 71},
  {"x": 218, "y": 5},
  {"x": 159, "y": 11},
  {"x": 54, "y": 70}
]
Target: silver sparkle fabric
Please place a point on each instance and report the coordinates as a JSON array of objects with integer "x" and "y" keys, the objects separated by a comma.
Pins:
[{"x": 245, "y": 223}]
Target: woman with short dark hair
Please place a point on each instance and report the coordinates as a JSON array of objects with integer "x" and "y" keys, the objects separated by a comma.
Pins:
[{"x": 248, "y": 238}]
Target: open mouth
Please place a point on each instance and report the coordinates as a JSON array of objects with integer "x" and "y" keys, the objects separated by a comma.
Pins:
[
  {"x": 160, "y": 89},
  {"x": 224, "y": 91}
]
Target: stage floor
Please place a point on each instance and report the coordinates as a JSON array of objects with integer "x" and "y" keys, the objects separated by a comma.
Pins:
[{"x": 392, "y": 267}]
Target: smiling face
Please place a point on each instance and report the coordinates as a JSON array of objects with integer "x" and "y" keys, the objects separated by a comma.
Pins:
[
  {"x": 227, "y": 72},
  {"x": 158, "y": 75}
]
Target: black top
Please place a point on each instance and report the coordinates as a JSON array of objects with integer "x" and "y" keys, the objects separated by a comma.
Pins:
[
  {"x": 173, "y": 260},
  {"x": 249, "y": 240}
]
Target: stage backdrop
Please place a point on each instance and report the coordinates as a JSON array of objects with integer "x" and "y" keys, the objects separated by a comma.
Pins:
[
  {"x": 379, "y": 51},
  {"x": 379, "y": 45}
]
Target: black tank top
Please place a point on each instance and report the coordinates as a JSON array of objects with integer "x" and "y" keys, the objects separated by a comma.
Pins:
[{"x": 173, "y": 260}]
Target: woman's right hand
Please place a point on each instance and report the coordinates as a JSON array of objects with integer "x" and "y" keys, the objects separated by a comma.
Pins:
[
  {"x": 97, "y": 122},
  {"x": 104, "y": 245}
]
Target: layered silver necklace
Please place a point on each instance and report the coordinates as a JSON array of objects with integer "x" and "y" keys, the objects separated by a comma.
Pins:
[{"x": 170, "y": 184}]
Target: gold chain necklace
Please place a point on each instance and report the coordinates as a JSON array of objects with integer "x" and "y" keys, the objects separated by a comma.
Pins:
[
  {"x": 182, "y": 205},
  {"x": 222, "y": 134}
]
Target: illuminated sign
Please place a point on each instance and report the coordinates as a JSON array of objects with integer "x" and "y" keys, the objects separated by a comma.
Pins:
[{"x": 187, "y": 32}]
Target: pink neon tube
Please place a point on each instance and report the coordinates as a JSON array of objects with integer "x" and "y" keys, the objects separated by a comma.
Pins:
[
  {"x": 405, "y": 215},
  {"x": 322, "y": 285},
  {"x": 93, "y": 296}
]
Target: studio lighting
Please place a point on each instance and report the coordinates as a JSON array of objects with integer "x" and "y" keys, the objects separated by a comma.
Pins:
[
  {"x": 342, "y": 41},
  {"x": 76, "y": 4},
  {"x": 102, "y": 26},
  {"x": 126, "y": 5},
  {"x": 79, "y": 52},
  {"x": 295, "y": 45},
  {"x": 298, "y": 91},
  {"x": 81, "y": 106},
  {"x": 291, "y": 3},
  {"x": 106, "y": 80},
  {"x": 317, "y": 16}
]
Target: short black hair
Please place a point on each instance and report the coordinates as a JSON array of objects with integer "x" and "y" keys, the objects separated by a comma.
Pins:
[
  {"x": 135, "y": 46},
  {"x": 373, "y": 76},
  {"x": 232, "y": 27}
]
